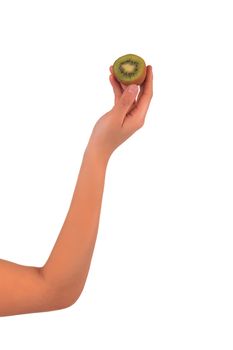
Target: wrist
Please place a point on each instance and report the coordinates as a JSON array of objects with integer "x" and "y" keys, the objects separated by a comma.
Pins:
[{"x": 100, "y": 156}]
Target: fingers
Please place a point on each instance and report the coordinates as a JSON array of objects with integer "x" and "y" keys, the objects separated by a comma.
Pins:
[
  {"x": 125, "y": 102},
  {"x": 122, "y": 85},
  {"x": 116, "y": 88},
  {"x": 139, "y": 107},
  {"x": 145, "y": 96},
  {"x": 140, "y": 92}
]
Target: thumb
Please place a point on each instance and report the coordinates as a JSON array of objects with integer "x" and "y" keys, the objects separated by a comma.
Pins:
[{"x": 126, "y": 100}]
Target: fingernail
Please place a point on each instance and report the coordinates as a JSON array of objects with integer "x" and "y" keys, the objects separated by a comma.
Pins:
[{"x": 133, "y": 88}]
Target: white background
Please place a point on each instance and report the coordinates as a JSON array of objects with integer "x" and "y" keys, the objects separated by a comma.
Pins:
[{"x": 161, "y": 273}]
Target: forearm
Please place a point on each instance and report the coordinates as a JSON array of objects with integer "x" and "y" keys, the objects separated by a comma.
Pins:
[
  {"x": 60, "y": 281},
  {"x": 68, "y": 264}
]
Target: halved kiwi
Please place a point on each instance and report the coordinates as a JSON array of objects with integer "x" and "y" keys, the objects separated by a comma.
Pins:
[{"x": 130, "y": 69}]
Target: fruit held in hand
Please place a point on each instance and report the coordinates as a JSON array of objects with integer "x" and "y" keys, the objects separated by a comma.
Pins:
[{"x": 130, "y": 69}]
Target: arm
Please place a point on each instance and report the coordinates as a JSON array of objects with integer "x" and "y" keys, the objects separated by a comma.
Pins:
[
  {"x": 59, "y": 283},
  {"x": 69, "y": 262}
]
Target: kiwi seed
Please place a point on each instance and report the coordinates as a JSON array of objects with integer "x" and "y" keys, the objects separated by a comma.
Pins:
[{"x": 130, "y": 69}]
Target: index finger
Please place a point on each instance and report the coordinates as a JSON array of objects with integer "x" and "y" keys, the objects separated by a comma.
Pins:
[
  {"x": 122, "y": 85},
  {"x": 143, "y": 101}
]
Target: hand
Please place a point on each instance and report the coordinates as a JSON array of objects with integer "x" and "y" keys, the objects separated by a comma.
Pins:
[{"x": 127, "y": 115}]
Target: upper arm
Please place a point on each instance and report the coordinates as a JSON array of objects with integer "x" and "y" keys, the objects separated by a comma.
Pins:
[{"x": 24, "y": 290}]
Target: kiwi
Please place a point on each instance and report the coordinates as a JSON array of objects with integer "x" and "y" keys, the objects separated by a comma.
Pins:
[{"x": 130, "y": 69}]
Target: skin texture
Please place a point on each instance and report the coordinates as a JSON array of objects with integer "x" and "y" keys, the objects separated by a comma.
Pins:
[{"x": 60, "y": 281}]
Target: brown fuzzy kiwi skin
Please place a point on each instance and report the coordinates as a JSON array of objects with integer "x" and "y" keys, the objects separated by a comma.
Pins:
[{"x": 138, "y": 81}]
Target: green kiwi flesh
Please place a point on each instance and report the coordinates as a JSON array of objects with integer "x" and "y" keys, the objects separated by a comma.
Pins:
[{"x": 130, "y": 69}]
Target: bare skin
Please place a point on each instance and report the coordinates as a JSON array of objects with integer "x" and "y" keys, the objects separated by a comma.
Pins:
[{"x": 59, "y": 282}]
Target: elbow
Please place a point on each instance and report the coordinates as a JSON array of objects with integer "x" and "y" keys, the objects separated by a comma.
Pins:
[
  {"x": 65, "y": 297},
  {"x": 66, "y": 302},
  {"x": 61, "y": 296},
  {"x": 64, "y": 305}
]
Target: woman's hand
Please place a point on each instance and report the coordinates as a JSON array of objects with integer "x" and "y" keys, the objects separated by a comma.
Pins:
[{"x": 127, "y": 115}]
